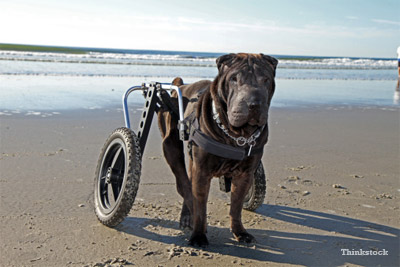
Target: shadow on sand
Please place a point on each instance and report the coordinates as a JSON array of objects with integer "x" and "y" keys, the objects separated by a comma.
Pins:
[{"x": 330, "y": 234}]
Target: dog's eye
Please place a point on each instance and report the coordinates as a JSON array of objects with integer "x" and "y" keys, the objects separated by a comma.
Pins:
[{"x": 233, "y": 79}]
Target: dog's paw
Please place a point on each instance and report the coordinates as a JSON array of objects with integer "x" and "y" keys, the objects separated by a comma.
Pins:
[
  {"x": 199, "y": 240},
  {"x": 185, "y": 222},
  {"x": 245, "y": 238}
]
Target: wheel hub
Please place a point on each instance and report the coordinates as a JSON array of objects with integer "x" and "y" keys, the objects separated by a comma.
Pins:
[{"x": 112, "y": 175}]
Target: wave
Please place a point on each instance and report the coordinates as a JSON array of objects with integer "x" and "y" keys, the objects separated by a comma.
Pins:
[
  {"x": 99, "y": 57},
  {"x": 197, "y": 77},
  {"x": 192, "y": 60},
  {"x": 340, "y": 63}
]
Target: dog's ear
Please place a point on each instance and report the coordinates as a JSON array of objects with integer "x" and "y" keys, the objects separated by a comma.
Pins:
[
  {"x": 272, "y": 61},
  {"x": 225, "y": 61}
]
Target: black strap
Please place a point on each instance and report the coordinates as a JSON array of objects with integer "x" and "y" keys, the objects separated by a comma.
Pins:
[
  {"x": 216, "y": 148},
  {"x": 168, "y": 105}
]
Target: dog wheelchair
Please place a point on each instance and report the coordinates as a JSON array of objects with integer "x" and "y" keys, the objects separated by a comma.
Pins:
[{"x": 119, "y": 166}]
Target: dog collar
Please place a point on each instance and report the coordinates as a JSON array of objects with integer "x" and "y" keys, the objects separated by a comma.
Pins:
[{"x": 241, "y": 140}]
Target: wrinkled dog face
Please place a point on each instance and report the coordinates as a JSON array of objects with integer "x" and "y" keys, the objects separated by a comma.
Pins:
[{"x": 246, "y": 85}]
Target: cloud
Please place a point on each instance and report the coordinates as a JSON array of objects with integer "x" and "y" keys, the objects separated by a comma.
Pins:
[
  {"x": 185, "y": 24},
  {"x": 384, "y": 21}
]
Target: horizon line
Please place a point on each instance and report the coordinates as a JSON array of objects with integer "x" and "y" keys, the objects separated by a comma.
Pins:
[{"x": 104, "y": 49}]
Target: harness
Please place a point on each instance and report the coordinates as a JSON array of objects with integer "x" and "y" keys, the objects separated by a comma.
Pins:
[
  {"x": 194, "y": 135},
  {"x": 214, "y": 147}
]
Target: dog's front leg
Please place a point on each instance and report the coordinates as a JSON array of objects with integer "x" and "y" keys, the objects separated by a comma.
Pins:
[
  {"x": 239, "y": 189},
  {"x": 200, "y": 187}
]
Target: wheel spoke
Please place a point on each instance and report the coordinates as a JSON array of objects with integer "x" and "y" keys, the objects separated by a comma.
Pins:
[
  {"x": 111, "y": 196},
  {"x": 116, "y": 156}
]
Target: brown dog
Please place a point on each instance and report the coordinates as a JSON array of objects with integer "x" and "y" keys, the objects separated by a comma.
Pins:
[{"x": 234, "y": 105}]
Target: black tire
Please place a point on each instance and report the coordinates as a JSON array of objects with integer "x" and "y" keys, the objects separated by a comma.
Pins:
[
  {"x": 117, "y": 177},
  {"x": 255, "y": 196}
]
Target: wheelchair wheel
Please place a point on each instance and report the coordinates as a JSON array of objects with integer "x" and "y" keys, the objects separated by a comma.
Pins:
[
  {"x": 117, "y": 177},
  {"x": 255, "y": 196}
]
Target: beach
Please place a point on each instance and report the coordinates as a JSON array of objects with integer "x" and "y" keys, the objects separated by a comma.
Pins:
[
  {"x": 332, "y": 184},
  {"x": 332, "y": 165}
]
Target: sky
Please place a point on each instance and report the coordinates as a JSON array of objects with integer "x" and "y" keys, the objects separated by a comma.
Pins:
[{"x": 350, "y": 28}]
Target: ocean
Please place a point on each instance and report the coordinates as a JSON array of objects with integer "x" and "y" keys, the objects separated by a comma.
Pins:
[{"x": 98, "y": 77}]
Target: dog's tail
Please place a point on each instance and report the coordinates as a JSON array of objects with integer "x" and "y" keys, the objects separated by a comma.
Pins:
[{"x": 177, "y": 81}]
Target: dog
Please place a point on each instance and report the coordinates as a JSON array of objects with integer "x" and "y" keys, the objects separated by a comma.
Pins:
[{"x": 231, "y": 110}]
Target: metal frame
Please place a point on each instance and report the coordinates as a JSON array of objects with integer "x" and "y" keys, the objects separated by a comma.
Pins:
[
  {"x": 150, "y": 92},
  {"x": 152, "y": 99}
]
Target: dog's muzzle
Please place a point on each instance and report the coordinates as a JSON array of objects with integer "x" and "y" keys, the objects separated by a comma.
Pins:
[{"x": 241, "y": 140}]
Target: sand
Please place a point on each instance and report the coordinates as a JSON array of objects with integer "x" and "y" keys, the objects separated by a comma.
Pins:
[{"x": 333, "y": 184}]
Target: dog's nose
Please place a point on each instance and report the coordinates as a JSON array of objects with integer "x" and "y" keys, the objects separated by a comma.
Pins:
[{"x": 253, "y": 105}]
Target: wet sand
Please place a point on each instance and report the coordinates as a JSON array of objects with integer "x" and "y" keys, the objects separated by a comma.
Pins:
[{"x": 333, "y": 183}]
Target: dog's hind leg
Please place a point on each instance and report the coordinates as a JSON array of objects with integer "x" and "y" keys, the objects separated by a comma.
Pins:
[{"x": 174, "y": 155}]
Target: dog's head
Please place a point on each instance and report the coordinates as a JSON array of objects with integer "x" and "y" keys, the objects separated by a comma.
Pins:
[{"x": 245, "y": 86}]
